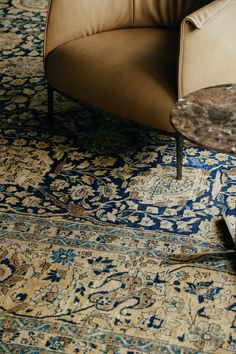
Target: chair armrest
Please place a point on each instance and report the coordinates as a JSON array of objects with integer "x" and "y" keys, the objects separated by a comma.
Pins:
[
  {"x": 201, "y": 17},
  {"x": 207, "y": 54},
  {"x": 72, "y": 19}
]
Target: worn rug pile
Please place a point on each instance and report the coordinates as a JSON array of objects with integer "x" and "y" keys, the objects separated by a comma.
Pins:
[{"x": 91, "y": 219}]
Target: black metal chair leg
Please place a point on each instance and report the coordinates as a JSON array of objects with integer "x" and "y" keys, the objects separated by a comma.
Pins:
[
  {"x": 179, "y": 156},
  {"x": 50, "y": 104}
]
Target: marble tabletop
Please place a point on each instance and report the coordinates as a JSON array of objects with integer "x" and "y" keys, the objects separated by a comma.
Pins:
[{"x": 208, "y": 117}]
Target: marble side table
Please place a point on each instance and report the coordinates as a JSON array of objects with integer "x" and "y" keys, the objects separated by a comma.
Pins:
[{"x": 208, "y": 117}]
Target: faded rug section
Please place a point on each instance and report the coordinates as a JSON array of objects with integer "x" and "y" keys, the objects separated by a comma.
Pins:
[
  {"x": 91, "y": 217},
  {"x": 112, "y": 300}
]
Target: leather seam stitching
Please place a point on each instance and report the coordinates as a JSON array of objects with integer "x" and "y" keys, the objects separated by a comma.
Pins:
[
  {"x": 203, "y": 24},
  {"x": 133, "y": 5},
  {"x": 218, "y": 12}
]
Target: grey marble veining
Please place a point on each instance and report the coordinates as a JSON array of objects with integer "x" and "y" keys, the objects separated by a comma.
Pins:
[{"x": 208, "y": 117}]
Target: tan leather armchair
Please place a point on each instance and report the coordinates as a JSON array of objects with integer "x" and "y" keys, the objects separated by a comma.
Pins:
[{"x": 135, "y": 58}]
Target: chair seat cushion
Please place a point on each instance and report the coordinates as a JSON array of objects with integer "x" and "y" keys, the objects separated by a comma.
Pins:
[{"x": 131, "y": 73}]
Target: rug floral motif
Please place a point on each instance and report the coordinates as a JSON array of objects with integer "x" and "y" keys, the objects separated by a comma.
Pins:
[{"x": 92, "y": 218}]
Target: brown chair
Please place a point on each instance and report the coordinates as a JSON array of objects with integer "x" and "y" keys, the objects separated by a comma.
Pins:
[{"x": 135, "y": 58}]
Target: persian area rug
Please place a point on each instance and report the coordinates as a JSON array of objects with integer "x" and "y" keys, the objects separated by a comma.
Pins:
[{"x": 91, "y": 219}]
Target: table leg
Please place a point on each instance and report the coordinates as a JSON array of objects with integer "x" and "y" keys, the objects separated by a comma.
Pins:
[{"x": 179, "y": 155}]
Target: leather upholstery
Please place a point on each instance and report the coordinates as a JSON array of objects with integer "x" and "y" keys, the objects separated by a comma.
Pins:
[
  {"x": 164, "y": 13},
  {"x": 129, "y": 72},
  {"x": 72, "y": 19},
  {"x": 87, "y": 17},
  {"x": 208, "y": 47},
  {"x": 122, "y": 55}
]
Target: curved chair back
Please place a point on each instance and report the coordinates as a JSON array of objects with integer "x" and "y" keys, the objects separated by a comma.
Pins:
[
  {"x": 72, "y": 19},
  {"x": 164, "y": 13}
]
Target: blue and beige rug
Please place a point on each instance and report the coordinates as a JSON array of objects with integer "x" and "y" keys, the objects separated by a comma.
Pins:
[{"x": 90, "y": 214}]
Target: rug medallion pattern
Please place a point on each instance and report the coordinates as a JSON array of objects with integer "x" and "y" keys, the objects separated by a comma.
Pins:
[{"x": 91, "y": 219}]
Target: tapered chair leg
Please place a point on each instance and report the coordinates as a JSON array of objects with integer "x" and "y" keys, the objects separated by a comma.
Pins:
[
  {"x": 179, "y": 156},
  {"x": 50, "y": 104}
]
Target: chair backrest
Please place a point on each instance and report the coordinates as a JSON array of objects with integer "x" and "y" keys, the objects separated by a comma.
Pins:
[
  {"x": 72, "y": 19},
  {"x": 164, "y": 13}
]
